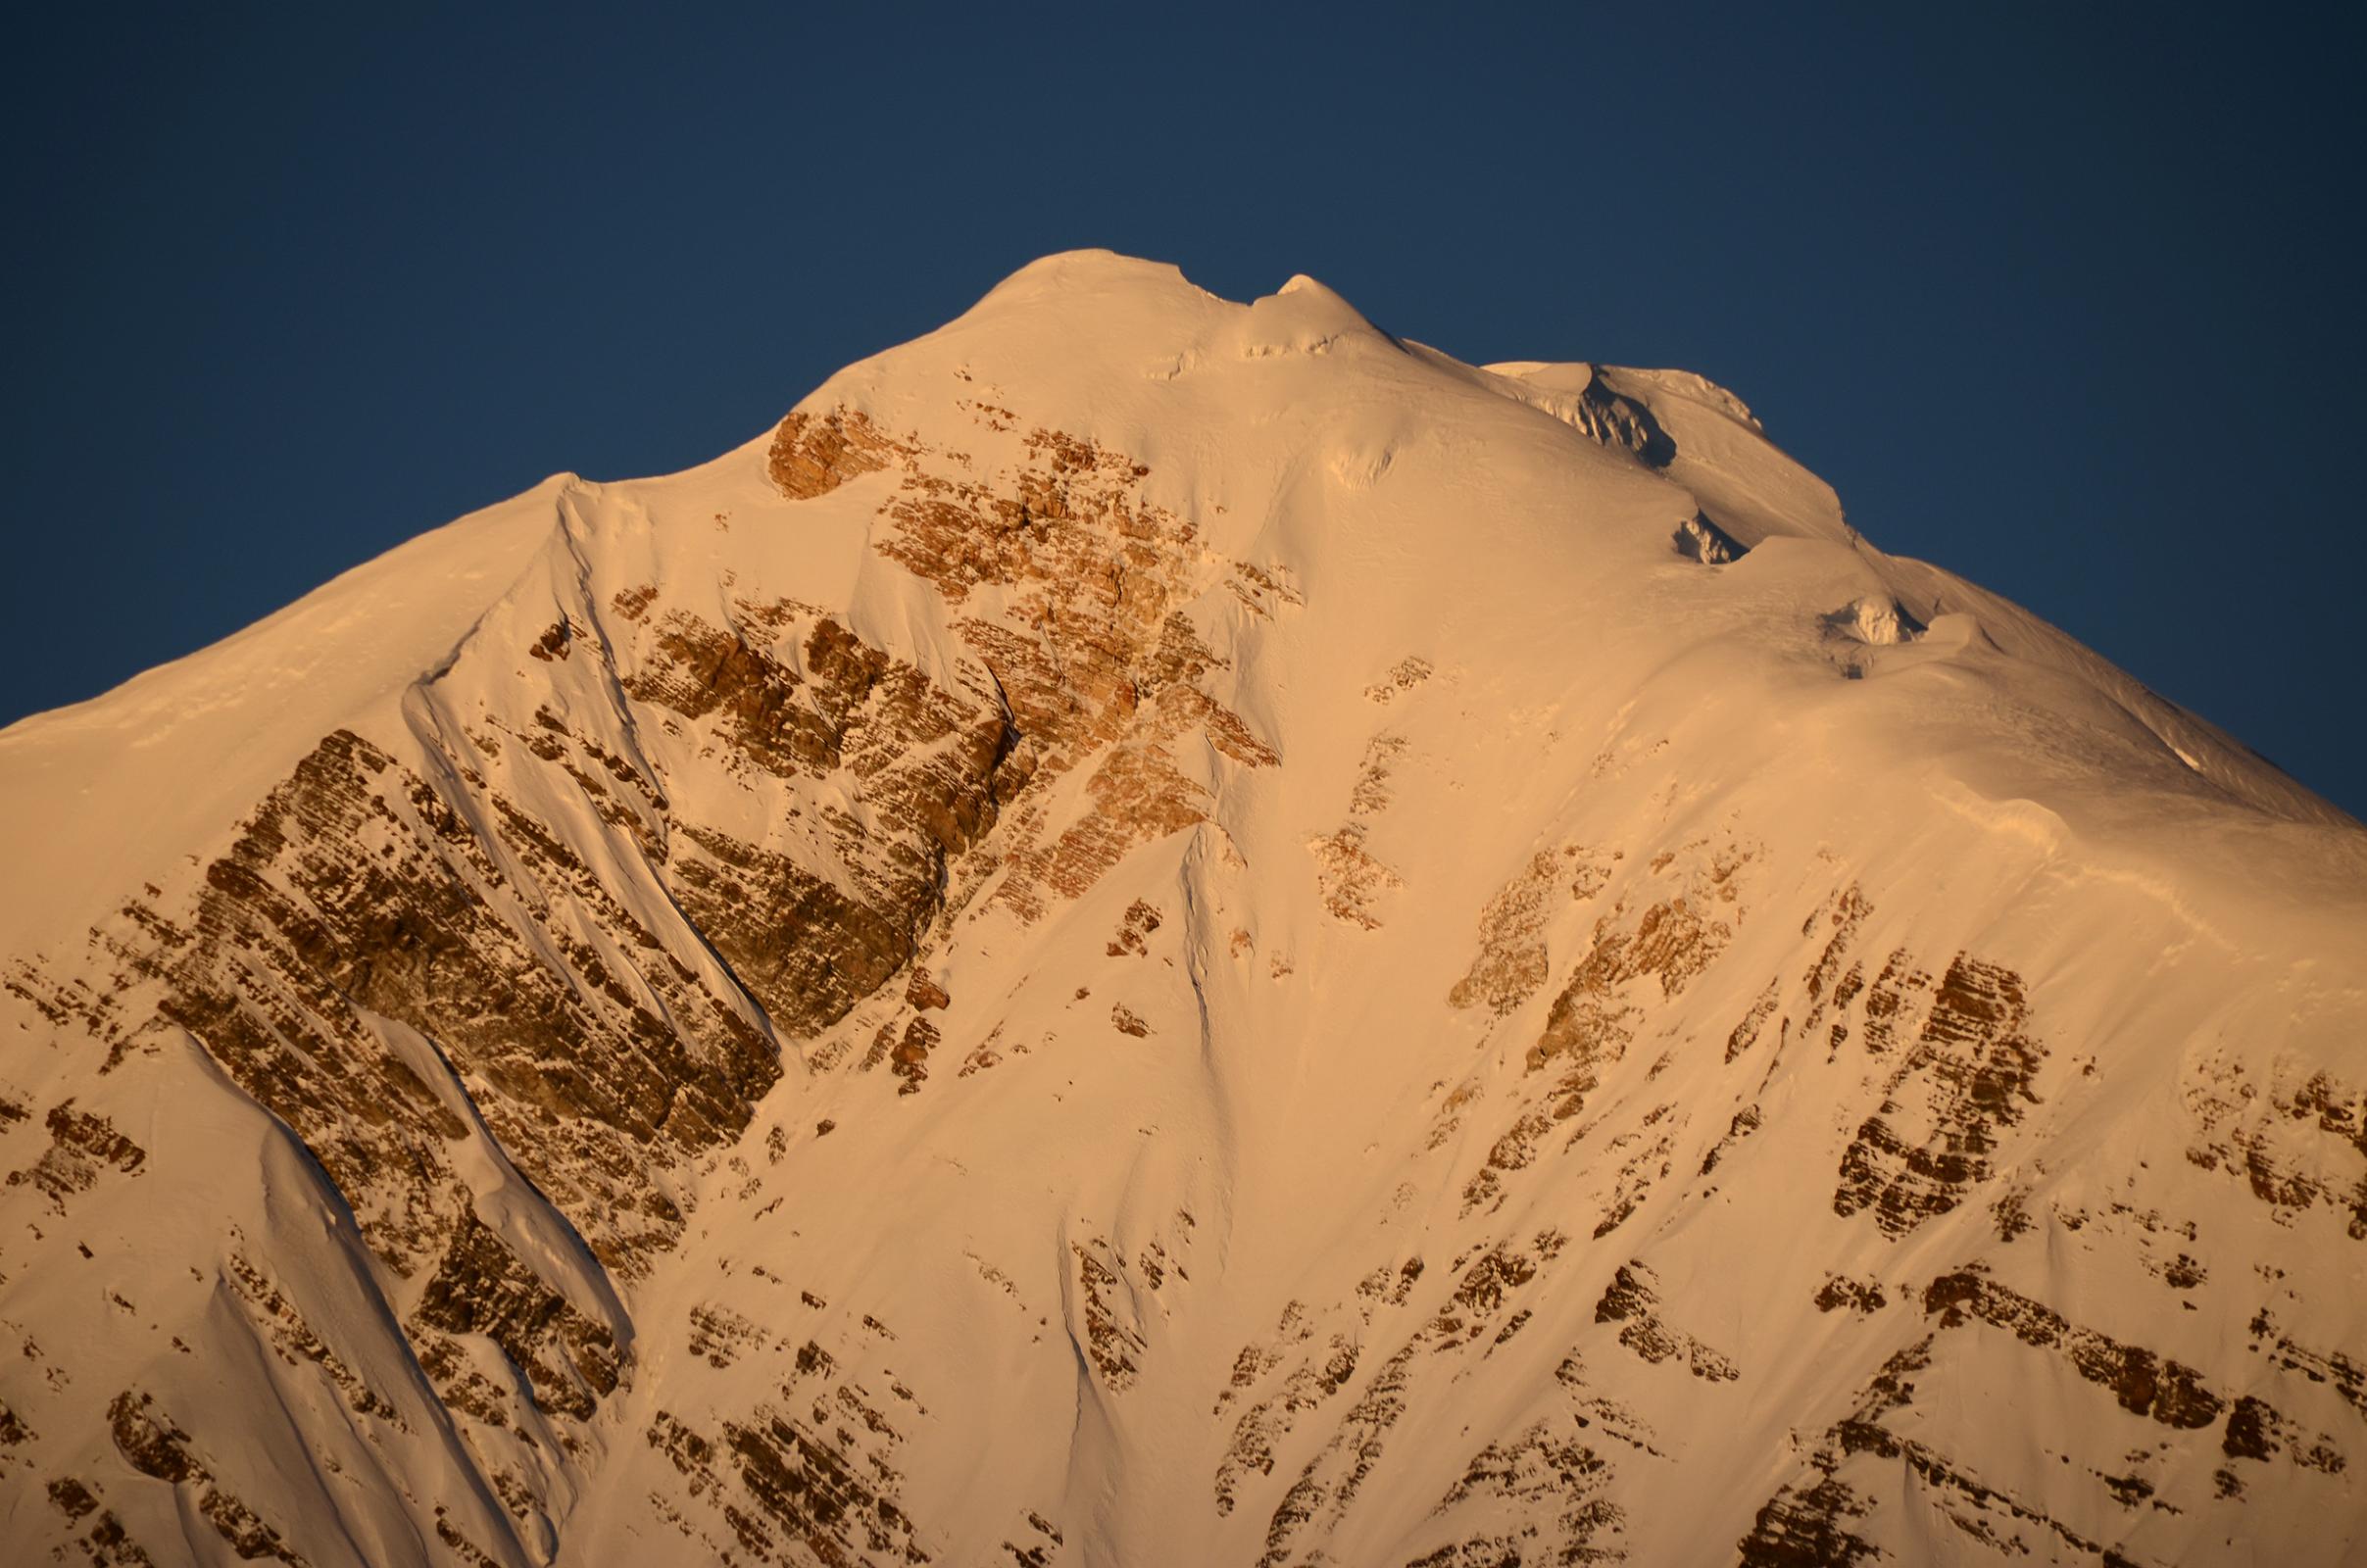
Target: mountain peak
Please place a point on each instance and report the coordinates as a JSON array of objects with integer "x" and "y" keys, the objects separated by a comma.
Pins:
[
  {"x": 1086, "y": 271},
  {"x": 1172, "y": 930}
]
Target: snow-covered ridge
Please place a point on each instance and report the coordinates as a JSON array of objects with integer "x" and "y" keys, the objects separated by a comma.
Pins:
[{"x": 1168, "y": 930}]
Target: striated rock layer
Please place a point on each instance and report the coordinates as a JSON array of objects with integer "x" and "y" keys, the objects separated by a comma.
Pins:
[{"x": 1166, "y": 931}]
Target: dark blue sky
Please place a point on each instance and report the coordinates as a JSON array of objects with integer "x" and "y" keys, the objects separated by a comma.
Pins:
[{"x": 2063, "y": 300}]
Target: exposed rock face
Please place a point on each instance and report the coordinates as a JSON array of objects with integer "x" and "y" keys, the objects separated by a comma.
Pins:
[
  {"x": 813, "y": 456},
  {"x": 1971, "y": 1069},
  {"x": 356, "y": 891},
  {"x": 1162, "y": 931},
  {"x": 929, "y": 764}
]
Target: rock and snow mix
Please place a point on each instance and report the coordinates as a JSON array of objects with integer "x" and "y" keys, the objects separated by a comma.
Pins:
[{"x": 1162, "y": 931}]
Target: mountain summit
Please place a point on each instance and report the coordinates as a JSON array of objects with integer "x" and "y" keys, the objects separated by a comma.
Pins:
[{"x": 1166, "y": 931}]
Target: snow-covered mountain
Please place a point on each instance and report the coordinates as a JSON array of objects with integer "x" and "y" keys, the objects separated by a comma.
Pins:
[{"x": 1170, "y": 932}]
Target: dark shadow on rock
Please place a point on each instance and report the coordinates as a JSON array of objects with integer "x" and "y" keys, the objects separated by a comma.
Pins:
[{"x": 1698, "y": 539}]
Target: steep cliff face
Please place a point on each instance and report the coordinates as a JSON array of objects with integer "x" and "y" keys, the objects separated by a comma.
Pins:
[{"x": 1167, "y": 931}]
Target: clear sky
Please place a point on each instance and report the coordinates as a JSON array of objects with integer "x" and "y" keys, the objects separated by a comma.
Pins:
[{"x": 2067, "y": 298}]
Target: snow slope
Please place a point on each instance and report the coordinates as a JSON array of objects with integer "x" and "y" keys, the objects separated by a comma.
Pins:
[{"x": 1170, "y": 931}]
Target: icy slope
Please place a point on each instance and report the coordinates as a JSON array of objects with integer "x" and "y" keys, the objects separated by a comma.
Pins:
[{"x": 1167, "y": 931}]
